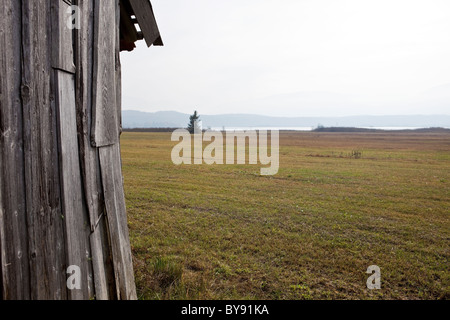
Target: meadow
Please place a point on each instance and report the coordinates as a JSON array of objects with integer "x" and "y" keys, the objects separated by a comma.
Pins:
[{"x": 339, "y": 203}]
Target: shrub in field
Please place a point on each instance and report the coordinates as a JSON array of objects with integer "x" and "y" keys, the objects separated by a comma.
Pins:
[{"x": 357, "y": 154}]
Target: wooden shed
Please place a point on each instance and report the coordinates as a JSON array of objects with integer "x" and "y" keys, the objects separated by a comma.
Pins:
[{"x": 61, "y": 187}]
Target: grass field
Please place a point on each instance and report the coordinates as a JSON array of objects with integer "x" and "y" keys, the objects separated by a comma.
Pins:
[{"x": 309, "y": 232}]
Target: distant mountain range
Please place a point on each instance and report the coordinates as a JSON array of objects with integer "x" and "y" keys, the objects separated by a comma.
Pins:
[{"x": 172, "y": 119}]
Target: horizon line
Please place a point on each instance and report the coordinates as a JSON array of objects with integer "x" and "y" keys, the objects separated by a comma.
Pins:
[{"x": 271, "y": 116}]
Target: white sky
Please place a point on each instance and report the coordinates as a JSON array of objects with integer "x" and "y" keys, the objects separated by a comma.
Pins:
[{"x": 294, "y": 58}]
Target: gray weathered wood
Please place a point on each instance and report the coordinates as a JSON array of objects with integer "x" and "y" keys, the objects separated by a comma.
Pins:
[
  {"x": 75, "y": 216},
  {"x": 105, "y": 129},
  {"x": 117, "y": 220},
  {"x": 63, "y": 56},
  {"x": 100, "y": 251},
  {"x": 45, "y": 226},
  {"x": 84, "y": 55},
  {"x": 111, "y": 170},
  {"x": 61, "y": 189},
  {"x": 14, "y": 268},
  {"x": 118, "y": 73}
]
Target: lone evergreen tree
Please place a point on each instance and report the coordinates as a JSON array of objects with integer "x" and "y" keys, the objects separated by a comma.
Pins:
[{"x": 194, "y": 123}]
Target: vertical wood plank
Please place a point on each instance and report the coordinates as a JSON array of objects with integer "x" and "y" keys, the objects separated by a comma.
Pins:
[
  {"x": 14, "y": 269},
  {"x": 75, "y": 216},
  {"x": 42, "y": 193},
  {"x": 118, "y": 71},
  {"x": 117, "y": 220},
  {"x": 90, "y": 165},
  {"x": 62, "y": 55},
  {"x": 112, "y": 178},
  {"x": 84, "y": 55},
  {"x": 105, "y": 129}
]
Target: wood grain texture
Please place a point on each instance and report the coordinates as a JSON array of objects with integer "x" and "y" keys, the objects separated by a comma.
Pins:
[
  {"x": 112, "y": 178},
  {"x": 62, "y": 55},
  {"x": 77, "y": 229},
  {"x": 118, "y": 71},
  {"x": 117, "y": 221},
  {"x": 61, "y": 189},
  {"x": 14, "y": 268},
  {"x": 90, "y": 164},
  {"x": 46, "y": 245},
  {"x": 105, "y": 130},
  {"x": 84, "y": 41}
]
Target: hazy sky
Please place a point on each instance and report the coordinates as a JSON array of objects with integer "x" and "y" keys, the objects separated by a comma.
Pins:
[{"x": 294, "y": 58}]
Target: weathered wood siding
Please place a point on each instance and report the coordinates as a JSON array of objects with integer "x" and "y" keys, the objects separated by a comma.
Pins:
[
  {"x": 14, "y": 267},
  {"x": 105, "y": 129},
  {"x": 100, "y": 250},
  {"x": 46, "y": 245},
  {"x": 61, "y": 189}
]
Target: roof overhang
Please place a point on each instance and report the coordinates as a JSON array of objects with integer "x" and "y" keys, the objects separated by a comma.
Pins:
[{"x": 137, "y": 22}]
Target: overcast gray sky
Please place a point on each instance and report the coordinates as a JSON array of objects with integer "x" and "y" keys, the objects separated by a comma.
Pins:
[{"x": 294, "y": 58}]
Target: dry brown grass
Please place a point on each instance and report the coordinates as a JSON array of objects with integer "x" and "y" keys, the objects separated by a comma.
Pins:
[{"x": 310, "y": 232}]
